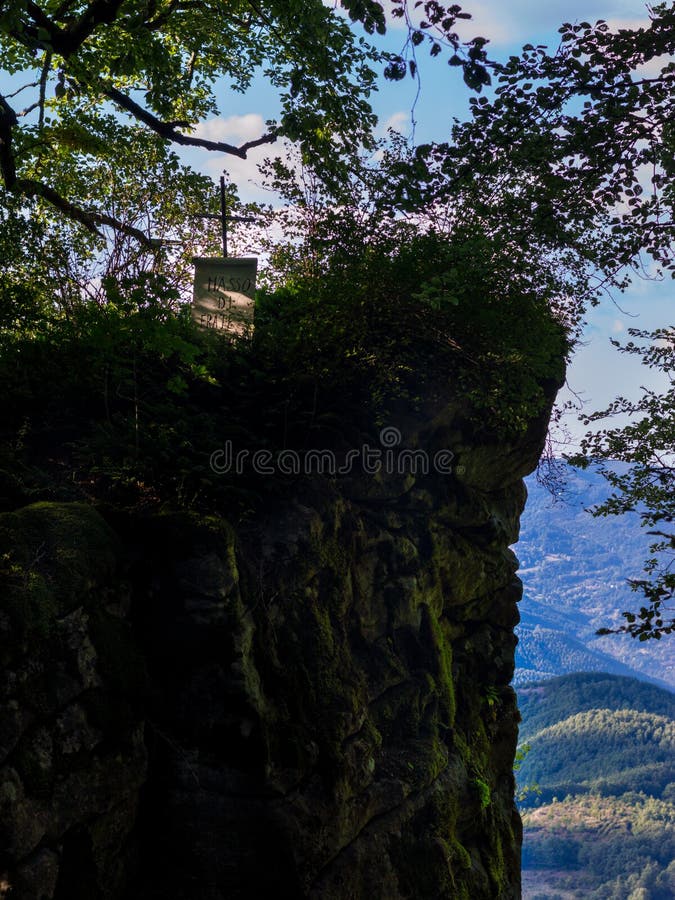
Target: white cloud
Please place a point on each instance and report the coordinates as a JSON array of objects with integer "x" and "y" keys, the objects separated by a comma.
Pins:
[
  {"x": 233, "y": 129},
  {"x": 398, "y": 121},
  {"x": 490, "y": 20},
  {"x": 615, "y": 24},
  {"x": 617, "y": 326},
  {"x": 487, "y": 18},
  {"x": 653, "y": 67},
  {"x": 237, "y": 130}
]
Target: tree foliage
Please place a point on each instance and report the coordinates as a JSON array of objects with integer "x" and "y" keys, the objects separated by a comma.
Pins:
[
  {"x": 126, "y": 400},
  {"x": 161, "y": 66},
  {"x": 647, "y": 485},
  {"x": 572, "y": 158}
]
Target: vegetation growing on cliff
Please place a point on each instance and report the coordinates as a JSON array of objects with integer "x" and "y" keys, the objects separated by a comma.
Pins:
[{"x": 130, "y": 398}]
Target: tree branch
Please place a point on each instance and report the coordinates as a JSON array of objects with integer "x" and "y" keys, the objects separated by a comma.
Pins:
[
  {"x": 88, "y": 219},
  {"x": 28, "y": 187},
  {"x": 67, "y": 41},
  {"x": 28, "y": 110},
  {"x": 65, "y": 7},
  {"x": 268, "y": 138},
  {"x": 30, "y": 84},
  {"x": 99, "y": 12},
  {"x": 46, "y": 65},
  {"x": 8, "y": 121},
  {"x": 168, "y": 131}
]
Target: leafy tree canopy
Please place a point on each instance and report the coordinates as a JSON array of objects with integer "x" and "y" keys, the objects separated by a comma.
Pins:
[
  {"x": 162, "y": 64},
  {"x": 575, "y": 150}
]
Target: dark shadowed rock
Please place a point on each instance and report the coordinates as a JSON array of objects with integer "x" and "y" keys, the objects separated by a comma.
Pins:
[{"x": 314, "y": 705}]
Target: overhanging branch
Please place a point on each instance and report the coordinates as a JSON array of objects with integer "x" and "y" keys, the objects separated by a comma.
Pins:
[
  {"x": 66, "y": 41},
  {"x": 167, "y": 130},
  {"x": 88, "y": 219},
  {"x": 29, "y": 187}
]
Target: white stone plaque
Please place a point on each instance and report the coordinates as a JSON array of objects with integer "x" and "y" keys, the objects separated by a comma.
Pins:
[{"x": 223, "y": 293}]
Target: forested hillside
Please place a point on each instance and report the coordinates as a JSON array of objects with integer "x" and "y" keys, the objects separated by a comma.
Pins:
[
  {"x": 575, "y": 571},
  {"x": 597, "y": 788},
  {"x": 543, "y": 705}
]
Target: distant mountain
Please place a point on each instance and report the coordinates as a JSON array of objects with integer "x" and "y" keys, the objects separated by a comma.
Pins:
[
  {"x": 574, "y": 569},
  {"x": 598, "y": 789}
]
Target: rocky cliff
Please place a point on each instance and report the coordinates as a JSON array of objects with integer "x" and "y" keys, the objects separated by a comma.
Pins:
[{"x": 314, "y": 704}]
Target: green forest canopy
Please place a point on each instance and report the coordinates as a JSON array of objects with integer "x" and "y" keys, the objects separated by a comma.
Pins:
[
  {"x": 93, "y": 76},
  {"x": 601, "y": 821}
]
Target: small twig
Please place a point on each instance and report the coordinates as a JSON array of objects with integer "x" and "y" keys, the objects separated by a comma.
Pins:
[{"x": 25, "y": 87}]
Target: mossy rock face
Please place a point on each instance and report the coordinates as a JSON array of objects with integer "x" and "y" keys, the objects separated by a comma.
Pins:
[
  {"x": 322, "y": 693},
  {"x": 350, "y": 703},
  {"x": 308, "y": 697},
  {"x": 70, "y": 701},
  {"x": 338, "y": 701},
  {"x": 52, "y": 555}
]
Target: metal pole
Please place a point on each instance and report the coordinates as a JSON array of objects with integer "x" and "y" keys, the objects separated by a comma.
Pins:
[{"x": 223, "y": 214}]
